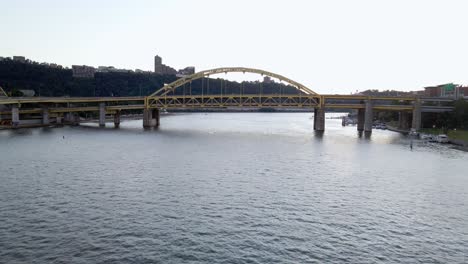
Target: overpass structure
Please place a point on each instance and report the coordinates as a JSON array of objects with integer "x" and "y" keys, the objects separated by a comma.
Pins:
[{"x": 58, "y": 110}]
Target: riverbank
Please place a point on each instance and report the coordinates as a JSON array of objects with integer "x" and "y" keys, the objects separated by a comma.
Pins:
[
  {"x": 399, "y": 130},
  {"x": 456, "y": 137}
]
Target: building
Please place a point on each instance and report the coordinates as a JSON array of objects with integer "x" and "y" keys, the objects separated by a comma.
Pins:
[
  {"x": 160, "y": 68},
  {"x": 187, "y": 71},
  {"x": 105, "y": 69},
  {"x": 112, "y": 69},
  {"x": 419, "y": 93},
  {"x": 432, "y": 91},
  {"x": 157, "y": 60},
  {"x": 55, "y": 65},
  {"x": 19, "y": 59},
  {"x": 463, "y": 92},
  {"x": 83, "y": 71},
  {"x": 267, "y": 79},
  {"x": 447, "y": 90},
  {"x": 142, "y": 71}
]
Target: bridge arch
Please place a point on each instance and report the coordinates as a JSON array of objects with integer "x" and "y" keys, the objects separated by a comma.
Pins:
[{"x": 202, "y": 74}]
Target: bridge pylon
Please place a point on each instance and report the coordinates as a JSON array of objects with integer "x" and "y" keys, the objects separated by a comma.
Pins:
[{"x": 151, "y": 117}]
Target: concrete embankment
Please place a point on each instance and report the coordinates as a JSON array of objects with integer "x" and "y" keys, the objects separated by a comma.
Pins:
[
  {"x": 461, "y": 144},
  {"x": 399, "y": 130}
]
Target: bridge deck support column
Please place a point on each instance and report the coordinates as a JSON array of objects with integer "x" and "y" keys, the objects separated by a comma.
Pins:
[
  {"x": 15, "y": 116},
  {"x": 403, "y": 120},
  {"x": 117, "y": 119},
  {"x": 156, "y": 115},
  {"x": 147, "y": 117},
  {"x": 68, "y": 117},
  {"x": 319, "y": 119},
  {"x": 360, "y": 119},
  {"x": 58, "y": 120},
  {"x": 368, "y": 117},
  {"x": 102, "y": 114},
  {"x": 72, "y": 118},
  {"x": 416, "y": 122},
  {"x": 45, "y": 115}
]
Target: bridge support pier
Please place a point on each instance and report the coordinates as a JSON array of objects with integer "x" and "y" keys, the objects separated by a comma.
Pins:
[
  {"x": 319, "y": 119},
  {"x": 102, "y": 114},
  {"x": 156, "y": 115},
  {"x": 117, "y": 119},
  {"x": 150, "y": 118},
  {"x": 45, "y": 115},
  {"x": 147, "y": 117},
  {"x": 72, "y": 118},
  {"x": 58, "y": 120},
  {"x": 403, "y": 120},
  {"x": 368, "y": 117},
  {"x": 15, "y": 115},
  {"x": 416, "y": 122},
  {"x": 360, "y": 119}
]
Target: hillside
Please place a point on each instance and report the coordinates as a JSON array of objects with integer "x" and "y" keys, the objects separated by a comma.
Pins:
[{"x": 50, "y": 81}]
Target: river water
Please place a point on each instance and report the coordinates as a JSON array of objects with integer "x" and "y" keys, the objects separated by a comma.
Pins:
[{"x": 229, "y": 188}]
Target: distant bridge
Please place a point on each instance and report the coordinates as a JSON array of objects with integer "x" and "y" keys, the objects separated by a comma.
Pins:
[{"x": 174, "y": 96}]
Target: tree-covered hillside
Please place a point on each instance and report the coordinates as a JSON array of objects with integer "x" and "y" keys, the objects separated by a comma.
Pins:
[{"x": 50, "y": 81}]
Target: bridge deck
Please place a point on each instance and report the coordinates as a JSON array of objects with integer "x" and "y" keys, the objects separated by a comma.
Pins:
[{"x": 291, "y": 101}]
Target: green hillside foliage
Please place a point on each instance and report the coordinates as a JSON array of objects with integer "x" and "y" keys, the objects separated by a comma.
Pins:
[{"x": 49, "y": 81}]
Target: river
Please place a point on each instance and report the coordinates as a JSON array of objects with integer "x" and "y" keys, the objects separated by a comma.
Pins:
[{"x": 229, "y": 188}]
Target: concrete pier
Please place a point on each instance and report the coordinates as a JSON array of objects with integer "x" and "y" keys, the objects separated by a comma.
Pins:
[
  {"x": 58, "y": 120},
  {"x": 150, "y": 118},
  {"x": 368, "y": 117},
  {"x": 147, "y": 117},
  {"x": 156, "y": 116},
  {"x": 15, "y": 116},
  {"x": 102, "y": 114},
  {"x": 45, "y": 115},
  {"x": 72, "y": 118},
  {"x": 68, "y": 117},
  {"x": 117, "y": 119},
  {"x": 360, "y": 119},
  {"x": 416, "y": 122},
  {"x": 319, "y": 119},
  {"x": 403, "y": 120}
]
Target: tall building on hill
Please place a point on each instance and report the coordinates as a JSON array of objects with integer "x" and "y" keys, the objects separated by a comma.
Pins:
[
  {"x": 160, "y": 68},
  {"x": 157, "y": 60}
]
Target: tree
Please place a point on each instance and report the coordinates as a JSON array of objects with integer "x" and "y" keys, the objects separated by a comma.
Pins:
[{"x": 460, "y": 114}]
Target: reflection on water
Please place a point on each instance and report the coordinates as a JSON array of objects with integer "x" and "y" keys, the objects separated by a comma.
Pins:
[{"x": 229, "y": 187}]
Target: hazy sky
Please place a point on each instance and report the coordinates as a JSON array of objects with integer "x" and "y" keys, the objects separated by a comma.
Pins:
[{"x": 329, "y": 46}]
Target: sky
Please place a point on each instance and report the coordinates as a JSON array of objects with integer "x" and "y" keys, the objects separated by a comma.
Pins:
[{"x": 330, "y": 46}]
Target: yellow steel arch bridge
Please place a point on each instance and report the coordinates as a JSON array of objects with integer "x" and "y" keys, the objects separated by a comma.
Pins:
[
  {"x": 166, "y": 97},
  {"x": 66, "y": 109}
]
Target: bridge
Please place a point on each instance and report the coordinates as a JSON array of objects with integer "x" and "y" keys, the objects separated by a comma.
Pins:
[{"x": 14, "y": 111}]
